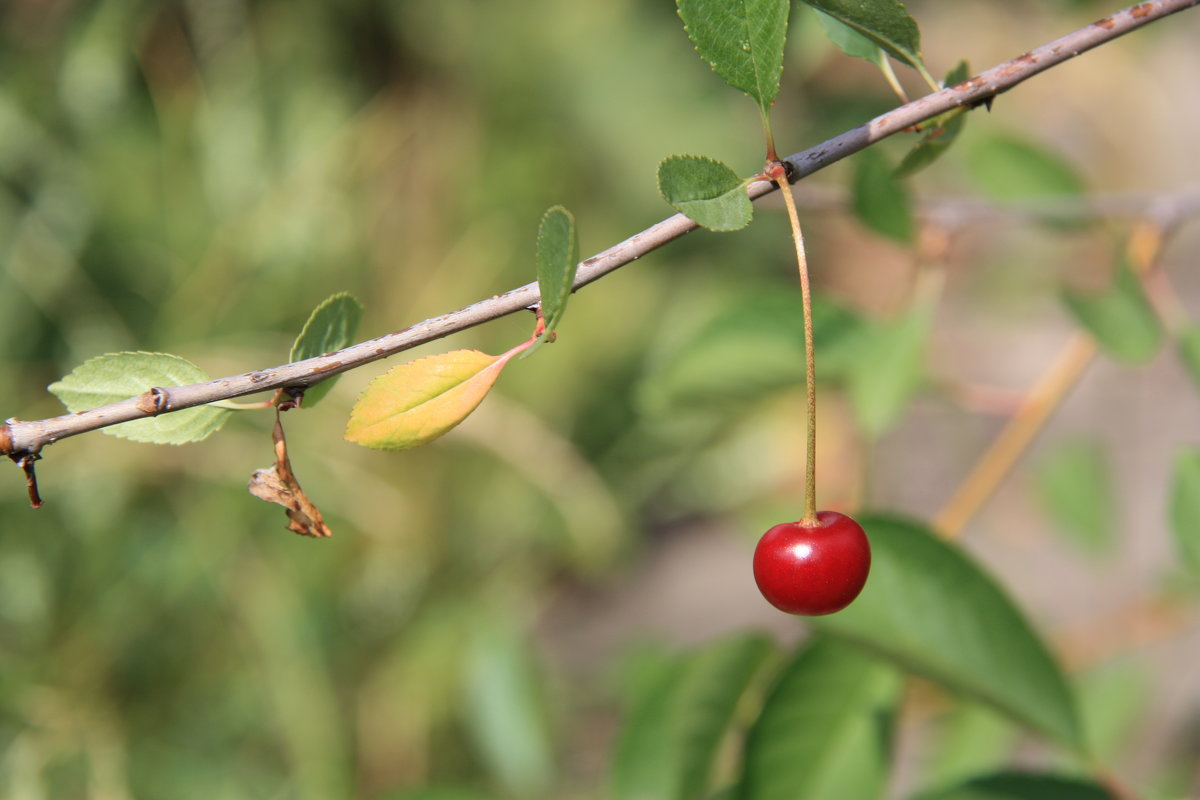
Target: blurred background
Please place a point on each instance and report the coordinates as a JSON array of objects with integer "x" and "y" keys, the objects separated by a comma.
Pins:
[{"x": 194, "y": 177}]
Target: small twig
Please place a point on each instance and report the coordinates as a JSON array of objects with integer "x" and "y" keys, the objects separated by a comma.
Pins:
[
  {"x": 27, "y": 438},
  {"x": 1145, "y": 245},
  {"x": 1004, "y": 451}
]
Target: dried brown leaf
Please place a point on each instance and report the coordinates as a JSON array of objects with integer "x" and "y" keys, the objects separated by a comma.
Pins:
[{"x": 278, "y": 484}]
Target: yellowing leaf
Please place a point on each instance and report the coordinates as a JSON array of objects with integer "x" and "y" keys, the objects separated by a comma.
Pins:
[{"x": 417, "y": 402}]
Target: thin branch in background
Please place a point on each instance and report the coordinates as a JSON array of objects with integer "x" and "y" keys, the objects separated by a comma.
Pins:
[
  {"x": 1145, "y": 246},
  {"x": 22, "y": 438}
]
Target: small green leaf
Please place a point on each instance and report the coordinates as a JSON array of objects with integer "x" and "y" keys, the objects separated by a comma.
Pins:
[
  {"x": 933, "y": 611},
  {"x": 742, "y": 40},
  {"x": 331, "y": 326},
  {"x": 850, "y": 41},
  {"x": 119, "y": 376},
  {"x": 1121, "y": 319},
  {"x": 1185, "y": 507},
  {"x": 942, "y": 133},
  {"x": 957, "y": 74},
  {"x": 557, "y": 261},
  {"x": 880, "y": 200},
  {"x": 889, "y": 368},
  {"x": 707, "y": 191},
  {"x": 1076, "y": 486},
  {"x": 1008, "y": 168},
  {"x": 1021, "y": 786},
  {"x": 667, "y": 748},
  {"x": 417, "y": 402},
  {"x": 824, "y": 730},
  {"x": 885, "y": 22},
  {"x": 1189, "y": 351}
]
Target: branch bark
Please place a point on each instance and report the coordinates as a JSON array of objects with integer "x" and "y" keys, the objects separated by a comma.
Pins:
[{"x": 20, "y": 439}]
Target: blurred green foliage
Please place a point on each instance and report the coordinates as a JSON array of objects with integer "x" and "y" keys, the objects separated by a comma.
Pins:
[{"x": 193, "y": 177}]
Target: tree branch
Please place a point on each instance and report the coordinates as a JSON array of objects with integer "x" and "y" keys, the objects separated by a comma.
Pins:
[{"x": 19, "y": 439}]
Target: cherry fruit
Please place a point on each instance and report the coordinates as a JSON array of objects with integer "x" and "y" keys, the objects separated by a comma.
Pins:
[{"x": 813, "y": 569}]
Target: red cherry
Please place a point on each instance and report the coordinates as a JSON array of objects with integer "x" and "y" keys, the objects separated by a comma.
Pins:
[{"x": 813, "y": 569}]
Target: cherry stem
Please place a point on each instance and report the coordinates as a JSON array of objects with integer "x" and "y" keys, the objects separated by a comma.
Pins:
[{"x": 777, "y": 173}]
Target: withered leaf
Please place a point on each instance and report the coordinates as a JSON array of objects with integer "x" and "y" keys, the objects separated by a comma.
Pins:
[{"x": 278, "y": 484}]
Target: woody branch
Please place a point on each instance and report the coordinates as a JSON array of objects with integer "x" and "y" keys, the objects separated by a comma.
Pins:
[{"x": 22, "y": 439}]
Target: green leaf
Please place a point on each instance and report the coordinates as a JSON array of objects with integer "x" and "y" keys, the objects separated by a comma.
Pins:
[
  {"x": 1021, "y": 786},
  {"x": 945, "y": 129},
  {"x": 417, "y": 402},
  {"x": 850, "y": 41},
  {"x": 506, "y": 712},
  {"x": 1009, "y": 168},
  {"x": 824, "y": 730},
  {"x": 1112, "y": 699},
  {"x": 1185, "y": 507},
  {"x": 884, "y": 22},
  {"x": 751, "y": 349},
  {"x": 889, "y": 368},
  {"x": 742, "y": 40},
  {"x": 667, "y": 748},
  {"x": 331, "y": 326},
  {"x": 557, "y": 261},
  {"x": 707, "y": 191},
  {"x": 1121, "y": 318},
  {"x": 1076, "y": 486},
  {"x": 969, "y": 740},
  {"x": 436, "y": 793},
  {"x": 1189, "y": 351},
  {"x": 879, "y": 198},
  {"x": 932, "y": 610},
  {"x": 119, "y": 376}
]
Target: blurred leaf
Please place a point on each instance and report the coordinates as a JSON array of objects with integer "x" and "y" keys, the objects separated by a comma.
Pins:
[
  {"x": 1076, "y": 486},
  {"x": 889, "y": 368},
  {"x": 1021, "y": 786},
  {"x": 1121, "y": 319},
  {"x": 435, "y": 793},
  {"x": 706, "y": 190},
  {"x": 330, "y": 327},
  {"x": 930, "y": 609},
  {"x": 119, "y": 376},
  {"x": 824, "y": 730},
  {"x": 417, "y": 402},
  {"x": 1189, "y": 351},
  {"x": 557, "y": 261},
  {"x": 885, "y": 22},
  {"x": 666, "y": 748},
  {"x": 754, "y": 347},
  {"x": 742, "y": 40},
  {"x": 1008, "y": 168},
  {"x": 879, "y": 199},
  {"x": 1111, "y": 699},
  {"x": 969, "y": 740},
  {"x": 942, "y": 132},
  {"x": 506, "y": 712},
  {"x": 1185, "y": 507},
  {"x": 850, "y": 41}
]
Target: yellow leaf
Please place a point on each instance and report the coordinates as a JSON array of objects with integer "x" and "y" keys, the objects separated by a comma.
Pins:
[{"x": 417, "y": 402}]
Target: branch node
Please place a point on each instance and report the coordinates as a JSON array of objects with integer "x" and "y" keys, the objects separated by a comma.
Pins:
[{"x": 153, "y": 401}]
